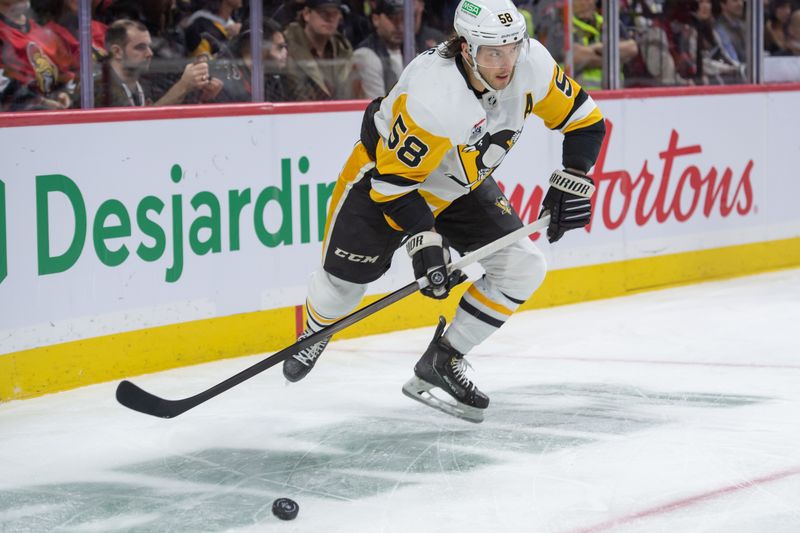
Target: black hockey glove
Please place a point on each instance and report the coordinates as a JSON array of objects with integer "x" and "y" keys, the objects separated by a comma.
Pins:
[
  {"x": 430, "y": 256},
  {"x": 568, "y": 200}
]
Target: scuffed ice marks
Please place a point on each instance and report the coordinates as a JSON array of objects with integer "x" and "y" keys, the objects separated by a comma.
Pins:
[
  {"x": 222, "y": 488},
  {"x": 96, "y": 507}
]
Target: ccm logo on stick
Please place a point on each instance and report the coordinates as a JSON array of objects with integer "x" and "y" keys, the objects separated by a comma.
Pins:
[{"x": 356, "y": 258}]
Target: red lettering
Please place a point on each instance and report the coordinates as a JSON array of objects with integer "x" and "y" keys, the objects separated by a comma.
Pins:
[{"x": 617, "y": 191}]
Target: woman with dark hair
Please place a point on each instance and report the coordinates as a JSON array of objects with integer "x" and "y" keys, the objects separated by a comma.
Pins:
[
  {"x": 715, "y": 66},
  {"x": 778, "y": 14}
]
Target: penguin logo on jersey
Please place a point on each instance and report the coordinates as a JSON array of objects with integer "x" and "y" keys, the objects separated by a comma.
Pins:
[{"x": 503, "y": 204}]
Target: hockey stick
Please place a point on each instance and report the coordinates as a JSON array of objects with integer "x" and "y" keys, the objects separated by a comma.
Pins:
[{"x": 138, "y": 399}]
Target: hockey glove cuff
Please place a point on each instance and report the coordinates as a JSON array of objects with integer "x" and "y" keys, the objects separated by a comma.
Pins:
[
  {"x": 568, "y": 200},
  {"x": 430, "y": 255}
]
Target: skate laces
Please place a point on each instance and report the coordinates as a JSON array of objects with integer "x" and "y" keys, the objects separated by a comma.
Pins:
[
  {"x": 459, "y": 365},
  {"x": 308, "y": 355}
]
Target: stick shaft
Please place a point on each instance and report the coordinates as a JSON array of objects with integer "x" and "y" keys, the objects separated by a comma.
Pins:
[{"x": 138, "y": 399}]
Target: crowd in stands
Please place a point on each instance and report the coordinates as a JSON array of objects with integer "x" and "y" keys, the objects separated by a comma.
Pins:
[{"x": 161, "y": 52}]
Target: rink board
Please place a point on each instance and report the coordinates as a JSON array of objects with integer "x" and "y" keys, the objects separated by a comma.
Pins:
[{"x": 185, "y": 238}]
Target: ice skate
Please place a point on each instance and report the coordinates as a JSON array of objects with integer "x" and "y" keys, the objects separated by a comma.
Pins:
[
  {"x": 297, "y": 366},
  {"x": 442, "y": 367}
]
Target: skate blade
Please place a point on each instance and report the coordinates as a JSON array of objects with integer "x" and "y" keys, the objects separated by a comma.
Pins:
[{"x": 420, "y": 390}]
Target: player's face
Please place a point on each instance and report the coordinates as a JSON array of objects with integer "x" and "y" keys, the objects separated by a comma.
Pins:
[
  {"x": 496, "y": 63},
  {"x": 137, "y": 53}
]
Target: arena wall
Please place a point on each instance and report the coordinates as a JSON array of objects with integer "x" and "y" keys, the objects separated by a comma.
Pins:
[{"x": 133, "y": 241}]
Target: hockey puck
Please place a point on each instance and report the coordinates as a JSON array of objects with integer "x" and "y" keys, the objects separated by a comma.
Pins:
[{"x": 285, "y": 508}]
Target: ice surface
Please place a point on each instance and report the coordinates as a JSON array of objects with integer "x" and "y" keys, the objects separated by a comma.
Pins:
[{"x": 669, "y": 411}]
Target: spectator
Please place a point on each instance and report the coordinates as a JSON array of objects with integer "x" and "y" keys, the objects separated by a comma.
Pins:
[
  {"x": 160, "y": 17},
  {"x": 587, "y": 26},
  {"x": 356, "y": 24},
  {"x": 287, "y": 12},
  {"x": 682, "y": 47},
  {"x": 208, "y": 27},
  {"x": 276, "y": 58},
  {"x": 775, "y": 28},
  {"x": 793, "y": 33},
  {"x": 236, "y": 70},
  {"x": 378, "y": 59},
  {"x": 61, "y": 17},
  {"x": 319, "y": 56},
  {"x": 34, "y": 67},
  {"x": 426, "y": 36},
  {"x": 128, "y": 45},
  {"x": 731, "y": 29},
  {"x": 167, "y": 43},
  {"x": 716, "y": 66}
]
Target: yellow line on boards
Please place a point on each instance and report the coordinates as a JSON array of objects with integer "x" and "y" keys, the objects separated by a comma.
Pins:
[{"x": 48, "y": 369}]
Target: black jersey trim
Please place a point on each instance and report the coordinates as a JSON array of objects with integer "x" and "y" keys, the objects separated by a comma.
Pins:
[
  {"x": 463, "y": 70},
  {"x": 518, "y": 302},
  {"x": 480, "y": 315},
  {"x": 394, "y": 179},
  {"x": 579, "y": 101},
  {"x": 369, "y": 132},
  {"x": 410, "y": 212},
  {"x": 581, "y": 147}
]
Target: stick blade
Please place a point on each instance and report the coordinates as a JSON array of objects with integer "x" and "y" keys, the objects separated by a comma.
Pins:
[{"x": 134, "y": 397}]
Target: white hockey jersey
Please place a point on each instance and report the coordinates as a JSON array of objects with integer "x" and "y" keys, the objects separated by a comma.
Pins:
[{"x": 440, "y": 139}]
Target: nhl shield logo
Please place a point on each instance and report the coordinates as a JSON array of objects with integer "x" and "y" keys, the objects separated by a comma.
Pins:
[{"x": 478, "y": 128}]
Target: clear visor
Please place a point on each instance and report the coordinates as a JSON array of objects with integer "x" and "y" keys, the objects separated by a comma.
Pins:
[{"x": 502, "y": 56}]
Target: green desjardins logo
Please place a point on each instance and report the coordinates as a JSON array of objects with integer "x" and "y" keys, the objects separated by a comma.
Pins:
[
  {"x": 156, "y": 227},
  {"x": 471, "y": 8}
]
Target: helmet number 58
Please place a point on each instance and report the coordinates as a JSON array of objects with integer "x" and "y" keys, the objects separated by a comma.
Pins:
[
  {"x": 412, "y": 149},
  {"x": 505, "y": 18}
]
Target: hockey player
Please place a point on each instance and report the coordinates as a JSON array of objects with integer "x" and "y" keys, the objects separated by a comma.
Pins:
[{"x": 421, "y": 174}]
